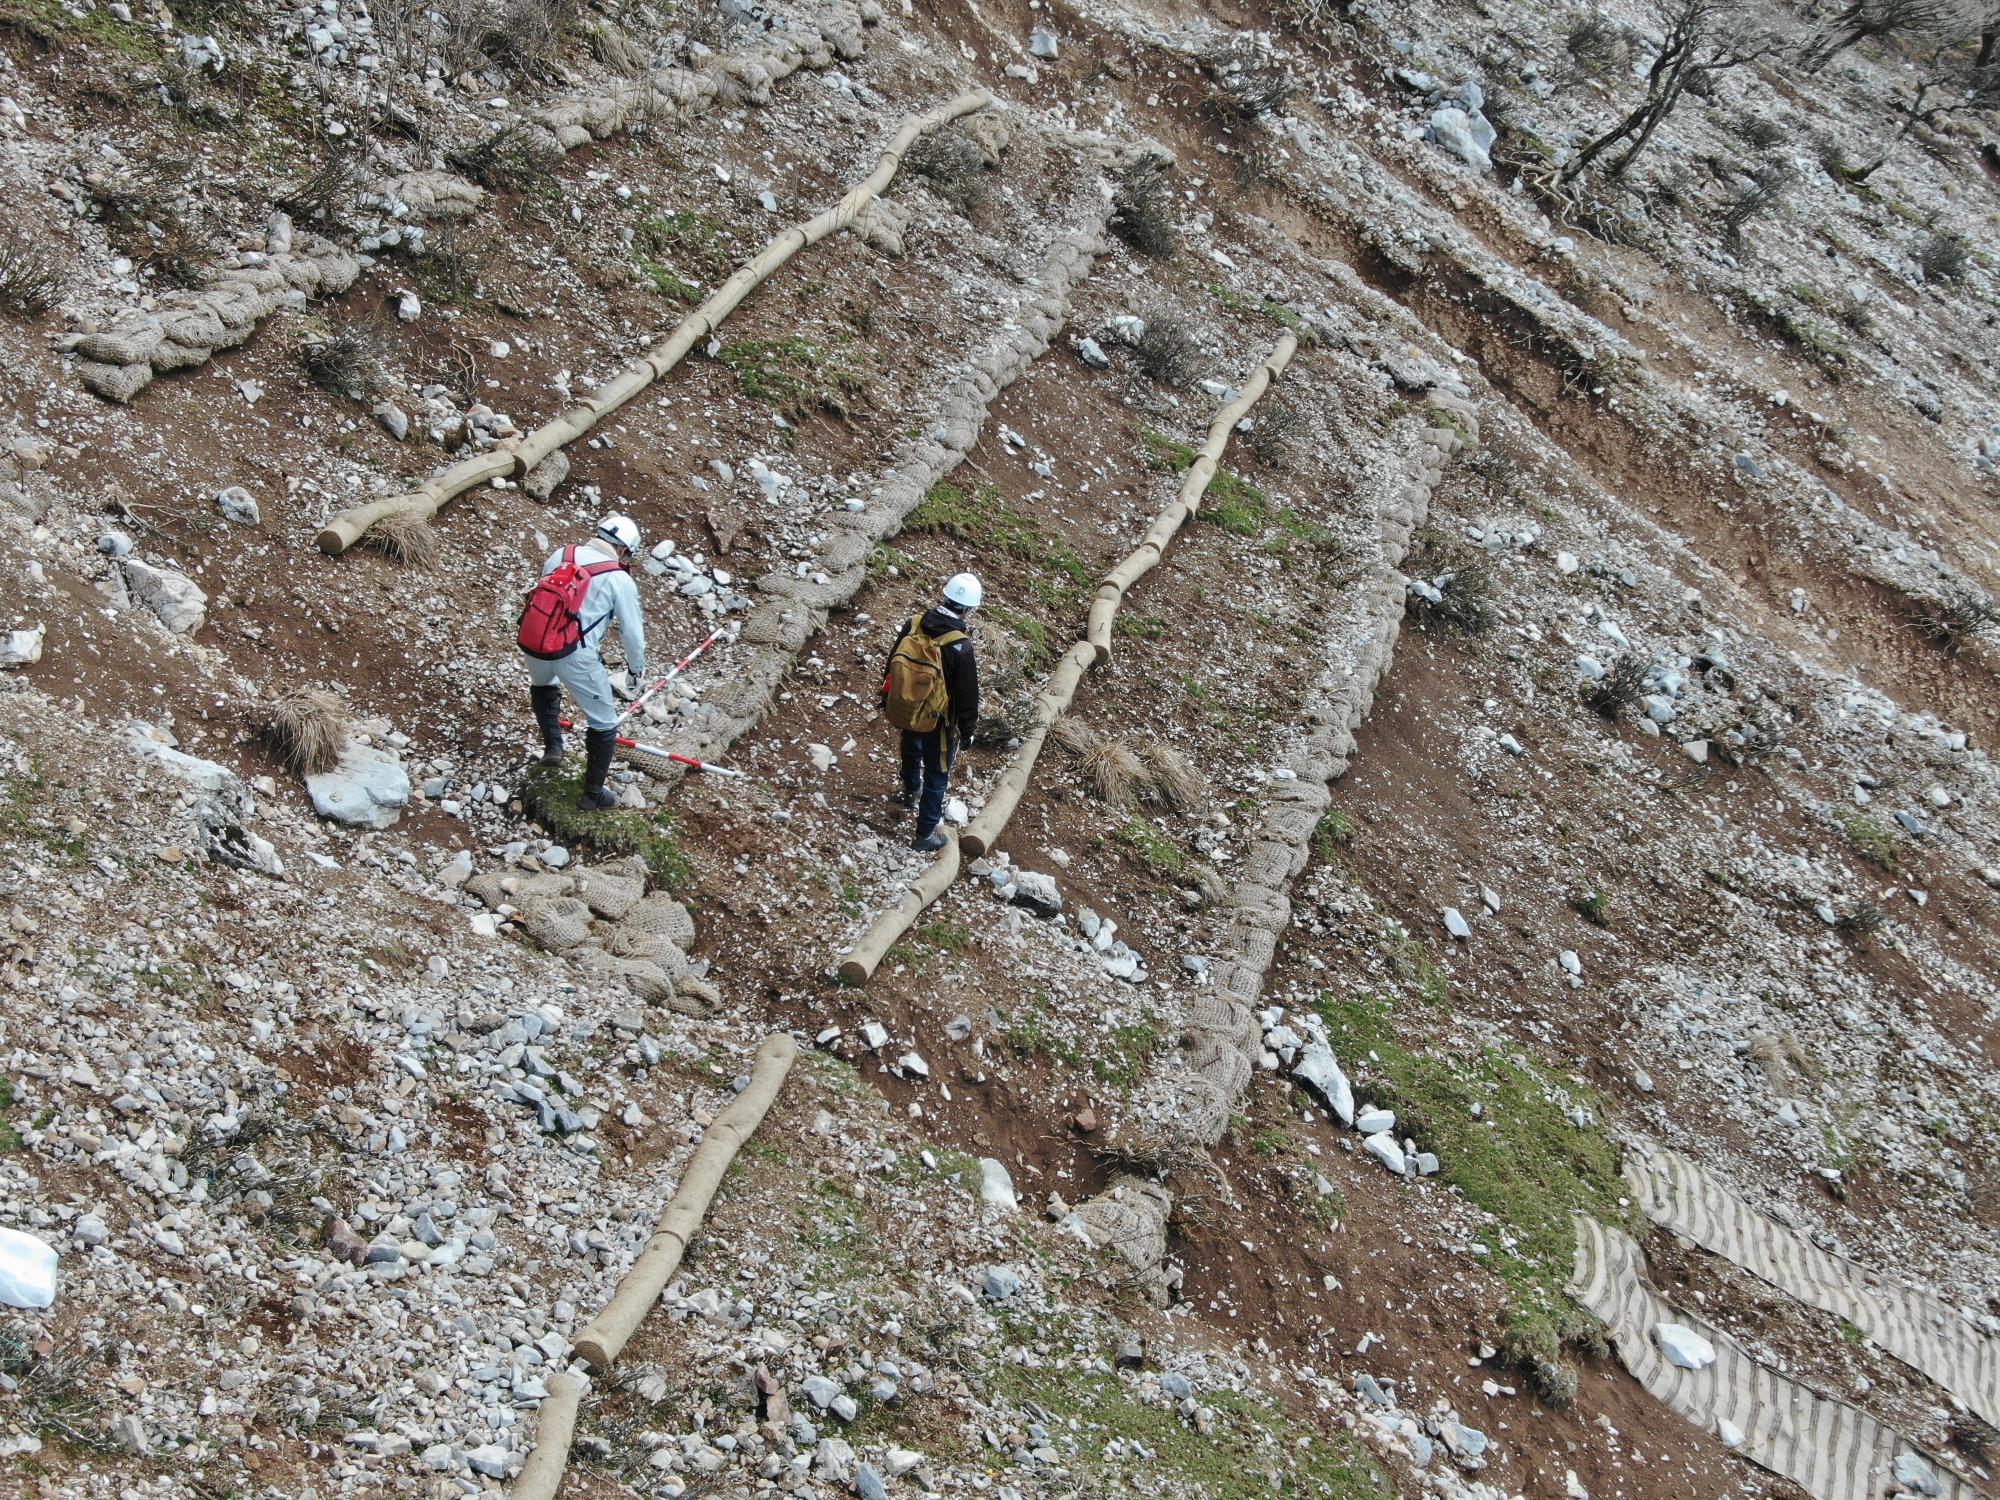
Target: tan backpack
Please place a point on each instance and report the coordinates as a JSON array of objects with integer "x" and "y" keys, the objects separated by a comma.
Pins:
[{"x": 914, "y": 696}]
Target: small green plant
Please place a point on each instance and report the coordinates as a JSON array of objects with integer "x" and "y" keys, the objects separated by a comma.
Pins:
[
  {"x": 1594, "y": 907},
  {"x": 952, "y": 937},
  {"x": 1030, "y": 632},
  {"x": 794, "y": 373},
  {"x": 10, "y": 1136},
  {"x": 679, "y": 253},
  {"x": 550, "y": 799},
  {"x": 1139, "y": 627},
  {"x": 1869, "y": 838},
  {"x": 982, "y": 517},
  {"x": 1332, "y": 833},
  {"x": 1154, "y": 849}
]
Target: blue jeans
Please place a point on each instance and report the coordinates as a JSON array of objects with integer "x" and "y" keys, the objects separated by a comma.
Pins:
[{"x": 928, "y": 757}]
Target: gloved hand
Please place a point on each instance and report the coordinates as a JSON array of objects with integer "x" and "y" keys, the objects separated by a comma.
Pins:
[{"x": 628, "y": 687}]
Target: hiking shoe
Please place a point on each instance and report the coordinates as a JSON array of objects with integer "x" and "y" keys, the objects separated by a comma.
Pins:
[
  {"x": 599, "y": 800},
  {"x": 931, "y": 842}
]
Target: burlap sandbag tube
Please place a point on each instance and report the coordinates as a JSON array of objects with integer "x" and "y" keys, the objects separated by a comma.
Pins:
[{"x": 515, "y": 460}]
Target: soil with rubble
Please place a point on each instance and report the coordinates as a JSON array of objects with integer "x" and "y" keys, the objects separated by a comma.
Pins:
[{"x": 1755, "y": 923}]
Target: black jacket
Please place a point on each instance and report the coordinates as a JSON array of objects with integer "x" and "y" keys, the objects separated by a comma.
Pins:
[{"x": 961, "y": 671}]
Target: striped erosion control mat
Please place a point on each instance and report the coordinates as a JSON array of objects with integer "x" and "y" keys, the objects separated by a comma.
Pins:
[
  {"x": 1922, "y": 1332},
  {"x": 1833, "y": 1450}
]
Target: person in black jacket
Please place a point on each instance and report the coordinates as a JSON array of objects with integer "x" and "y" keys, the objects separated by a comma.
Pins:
[{"x": 927, "y": 757}]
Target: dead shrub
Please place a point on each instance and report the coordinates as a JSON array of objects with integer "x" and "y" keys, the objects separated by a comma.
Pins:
[
  {"x": 408, "y": 540},
  {"x": 1142, "y": 208},
  {"x": 157, "y": 215},
  {"x": 322, "y": 197},
  {"x": 1959, "y": 615},
  {"x": 1597, "y": 43},
  {"x": 952, "y": 166},
  {"x": 1274, "y": 430},
  {"x": 306, "y": 730},
  {"x": 346, "y": 363},
  {"x": 51, "y": 1388},
  {"x": 1769, "y": 183},
  {"x": 1761, "y": 132},
  {"x": 1945, "y": 257},
  {"x": 521, "y": 157},
  {"x": 1113, "y": 772},
  {"x": 523, "y": 36},
  {"x": 1460, "y": 578},
  {"x": 1618, "y": 689},
  {"x": 1167, "y": 351},
  {"x": 447, "y": 266},
  {"x": 1170, "y": 783},
  {"x": 1863, "y": 922},
  {"x": 1253, "y": 84},
  {"x": 33, "y": 273}
]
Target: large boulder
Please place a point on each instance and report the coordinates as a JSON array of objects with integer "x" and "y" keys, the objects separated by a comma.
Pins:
[
  {"x": 367, "y": 789},
  {"x": 175, "y": 598}
]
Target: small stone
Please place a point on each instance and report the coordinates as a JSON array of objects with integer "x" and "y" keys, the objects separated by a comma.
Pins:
[
  {"x": 1001, "y": 1283},
  {"x": 1375, "y": 1121},
  {"x": 1455, "y": 924},
  {"x": 408, "y": 308},
  {"x": 868, "y": 1484},
  {"x": 394, "y": 420},
  {"x": 22, "y": 648},
  {"x": 1037, "y": 892},
  {"x": 239, "y": 505}
]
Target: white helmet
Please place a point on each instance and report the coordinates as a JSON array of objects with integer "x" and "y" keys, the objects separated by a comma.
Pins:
[
  {"x": 620, "y": 531},
  {"x": 964, "y": 591}
]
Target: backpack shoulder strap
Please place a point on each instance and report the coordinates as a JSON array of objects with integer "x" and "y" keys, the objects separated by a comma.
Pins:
[{"x": 950, "y": 637}]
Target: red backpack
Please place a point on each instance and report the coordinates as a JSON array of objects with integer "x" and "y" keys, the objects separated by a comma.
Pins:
[{"x": 551, "y": 621}]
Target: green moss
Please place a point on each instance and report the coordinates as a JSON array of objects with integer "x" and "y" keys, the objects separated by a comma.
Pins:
[
  {"x": 1030, "y": 632},
  {"x": 1523, "y": 1159},
  {"x": 1869, "y": 837},
  {"x": 794, "y": 373},
  {"x": 550, "y": 799},
  {"x": 1120, "y": 1059},
  {"x": 10, "y": 1137},
  {"x": 1594, "y": 907},
  {"x": 1332, "y": 833},
  {"x": 982, "y": 518},
  {"x": 1139, "y": 627},
  {"x": 668, "y": 284},
  {"x": 952, "y": 937},
  {"x": 1157, "y": 852},
  {"x": 1250, "y": 1441}
]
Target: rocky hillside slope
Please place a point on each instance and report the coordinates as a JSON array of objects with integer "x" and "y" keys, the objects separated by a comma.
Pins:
[{"x": 1547, "y": 758}]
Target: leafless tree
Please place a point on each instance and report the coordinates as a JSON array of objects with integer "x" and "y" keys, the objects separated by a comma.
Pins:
[
  {"x": 1948, "y": 82},
  {"x": 1864, "y": 20},
  {"x": 1702, "y": 38}
]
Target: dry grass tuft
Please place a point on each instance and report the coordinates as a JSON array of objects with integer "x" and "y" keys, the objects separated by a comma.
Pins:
[
  {"x": 1075, "y": 736},
  {"x": 1114, "y": 772},
  {"x": 1142, "y": 212},
  {"x": 306, "y": 730},
  {"x": 1168, "y": 350},
  {"x": 952, "y": 166},
  {"x": 408, "y": 540},
  {"x": 33, "y": 274},
  {"x": 1171, "y": 784}
]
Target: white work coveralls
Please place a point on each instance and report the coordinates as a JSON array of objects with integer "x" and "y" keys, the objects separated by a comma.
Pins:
[{"x": 613, "y": 598}]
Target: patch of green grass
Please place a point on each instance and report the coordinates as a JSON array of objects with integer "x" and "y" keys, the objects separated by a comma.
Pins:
[
  {"x": 1594, "y": 907},
  {"x": 1251, "y": 1440},
  {"x": 10, "y": 1138},
  {"x": 982, "y": 517},
  {"x": 1121, "y": 1059},
  {"x": 1027, "y": 1034},
  {"x": 1870, "y": 838},
  {"x": 794, "y": 373},
  {"x": 952, "y": 937},
  {"x": 1445, "y": 417},
  {"x": 550, "y": 799},
  {"x": 1139, "y": 627},
  {"x": 668, "y": 284},
  {"x": 882, "y": 559},
  {"x": 1332, "y": 833},
  {"x": 1154, "y": 849},
  {"x": 1524, "y": 1160},
  {"x": 1231, "y": 502},
  {"x": 1030, "y": 632}
]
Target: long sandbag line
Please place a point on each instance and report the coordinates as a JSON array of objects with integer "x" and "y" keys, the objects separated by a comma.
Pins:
[
  {"x": 186, "y": 328},
  {"x": 515, "y": 459},
  {"x": 1181, "y": 1108},
  {"x": 1831, "y": 1450},
  {"x": 858, "y": 964},
  {"x": 603, "y": 1339}
]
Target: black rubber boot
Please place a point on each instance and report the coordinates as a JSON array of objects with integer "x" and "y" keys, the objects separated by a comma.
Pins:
[
  {"x": 598, "y": 745},
  {"x": 548, "y": 718}
]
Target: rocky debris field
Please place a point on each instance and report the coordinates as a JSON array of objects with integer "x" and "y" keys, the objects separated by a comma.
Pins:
[{"x": 1560, "y": 734}]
